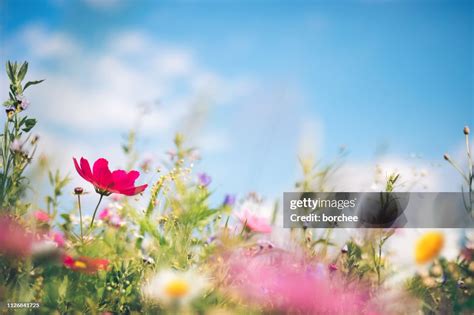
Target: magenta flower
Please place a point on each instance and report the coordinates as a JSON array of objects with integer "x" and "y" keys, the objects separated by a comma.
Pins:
[
  {"x": 41, "y": 216},
  {"x": 104, "y": 214},
  {"x": 106, "y": 182},
  {"x": 254, "y": 223},
  {"x": 57, "y": 237}
]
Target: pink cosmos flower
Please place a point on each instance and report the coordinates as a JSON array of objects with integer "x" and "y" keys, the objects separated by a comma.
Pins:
[
  {"x": 283, "y": 283},
  {"x": 41, "y": 216},
  {"x": 107, "y": 182},
  {"x": 254, "y": 223}
]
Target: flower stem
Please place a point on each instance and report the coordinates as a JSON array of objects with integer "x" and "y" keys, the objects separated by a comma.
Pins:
[
  {"x": 95, "y": 211},
  {"x": 80, "y": 215}
]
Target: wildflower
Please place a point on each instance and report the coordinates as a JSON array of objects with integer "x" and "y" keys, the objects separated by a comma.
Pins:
[
  {"x": 57, "y": 237},
  {"x": 174, "y": 287},
  {"x": 104, "y": 214},
  {"x": 428, "y": 247},
  {"x": 204, "y": 179},
  {"x": 85, "y": 264},
  {"x": 10, "y": 112},
  {"x": 280, "y": 282},
  {"x": 111, "y": 218},
  {"x": 229, "y": 200},
  {"x": 14, "y": 239},
  {"x": 254, "y": 223},
  {"x": 23, "y": 102},
  {"x": 16, "y": 146},
  {"x": 107, "y": 182},
  {"x": 41, "y": 216},
  {"x": 332, "y": 267}
]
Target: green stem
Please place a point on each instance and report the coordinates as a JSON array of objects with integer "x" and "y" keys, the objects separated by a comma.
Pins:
[
  {"x": 95, "y": 211},
  {"x": 80, "y": 215}
]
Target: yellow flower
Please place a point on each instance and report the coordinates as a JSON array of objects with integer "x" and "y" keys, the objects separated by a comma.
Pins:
[
  {"x": 171, "y": 286},
  {"x": 177, "y": 288},
  {"x": 428, "y": 247}
]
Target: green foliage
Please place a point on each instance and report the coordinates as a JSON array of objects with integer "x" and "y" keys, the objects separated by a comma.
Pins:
[{"x": 17, "y": 146}]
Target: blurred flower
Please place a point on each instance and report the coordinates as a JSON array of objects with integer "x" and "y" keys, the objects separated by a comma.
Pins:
[
  {"x": 170, "y": 286},
  {"x": 111, "y": 218},
  {"x": 254, "y": 223},
  {"x": 85, "y": 264},
  {"x": 411, "y": 250},
  {"x": 41, "y": 216},
  {"x": 332, "y": 267},
  {"x": 107, "y": 182},
  {"x": 24, "y": 103},
  {"x": 229, "y": 200},
  {"x": 16, "y": 145},
  {"x": 14, "y": 239},
  {"x": 280, "y": 282},
  {"x": 104, "y": 214},
  {"x": 56, "y": 237},
  {"x": 116, "y": 197},
  {"x": 204, "y": 179},
  {"x": 428, "y": 247}
]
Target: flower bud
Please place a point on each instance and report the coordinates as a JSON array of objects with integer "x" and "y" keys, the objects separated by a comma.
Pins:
[
  {"x": 78, "y": 191},
  {"x": 446, "y": 157},
  {"x": 466, "y": 130}
]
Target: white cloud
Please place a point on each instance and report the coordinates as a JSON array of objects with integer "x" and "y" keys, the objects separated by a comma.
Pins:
[
  {"x": 47, "y": 45},
  {"x": 415, "y": 175}
]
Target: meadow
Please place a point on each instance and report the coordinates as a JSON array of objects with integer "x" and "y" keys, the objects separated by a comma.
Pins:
[{"x": 182, "y": 253}]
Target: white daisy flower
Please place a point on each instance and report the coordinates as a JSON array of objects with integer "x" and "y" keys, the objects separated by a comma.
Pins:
[
  {"x": 175, "y": 287},
  {"x": 411, "y": 250}
]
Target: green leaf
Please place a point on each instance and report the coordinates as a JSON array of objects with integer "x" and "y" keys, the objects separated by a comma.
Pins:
[
  {"x": 10, "y": 71},
  {"x": 22, "y": 72},
  {"x": 9, "y": 103},
  {"x": 31, "y": 83},
  {"x": 29, "y": 124}
]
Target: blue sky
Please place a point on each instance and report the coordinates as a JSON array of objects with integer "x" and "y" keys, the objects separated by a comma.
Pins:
[{"x": 395, "y": 76}]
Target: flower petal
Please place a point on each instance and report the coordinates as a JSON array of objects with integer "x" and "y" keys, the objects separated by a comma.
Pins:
[
  {"x": 86, "y": 170},
  {"x": 102, "y": 175}
]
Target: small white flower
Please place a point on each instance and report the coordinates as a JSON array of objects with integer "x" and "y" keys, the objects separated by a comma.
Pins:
[{"x": 170, "y": 286}]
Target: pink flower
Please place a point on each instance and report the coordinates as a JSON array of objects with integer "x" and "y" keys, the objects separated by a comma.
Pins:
[
  {"x": 280, "y": 282},
  {"x": 107, "y": 182},
  {"x": 254, "y": 223},
  {"x": 14, "y": 239},
  {"x": 41, "y": 216},
  {"x": 104, "y": 214},
  {"x": 111, "y": 218},
  {"x": 57, "y": 237}
]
